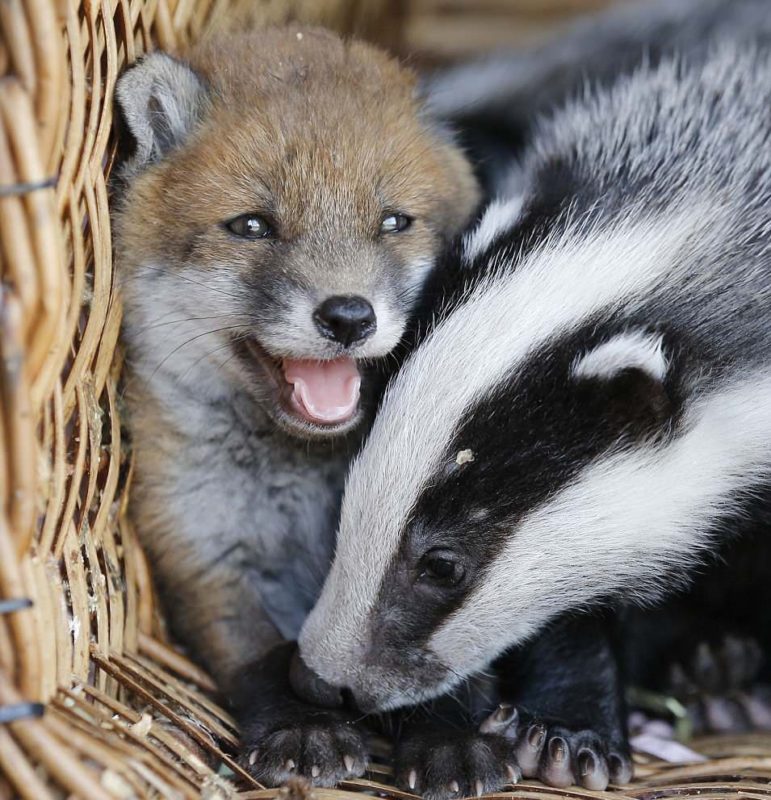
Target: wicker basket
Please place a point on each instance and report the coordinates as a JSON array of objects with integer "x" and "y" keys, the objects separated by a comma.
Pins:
[{"x": 125, "y": 715}]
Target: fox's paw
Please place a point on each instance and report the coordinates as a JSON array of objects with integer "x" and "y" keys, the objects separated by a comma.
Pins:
[{"x": 322, "y": 746}]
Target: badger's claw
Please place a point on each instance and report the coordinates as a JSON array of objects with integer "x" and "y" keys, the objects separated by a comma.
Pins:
[
  {"x": 440, "y": 765},
  {"x": 717, "y": 683},
  {"x": 717, "y": 669},
  {"x": 323, "y": 746},
  {"x": 559, "y": 756}
]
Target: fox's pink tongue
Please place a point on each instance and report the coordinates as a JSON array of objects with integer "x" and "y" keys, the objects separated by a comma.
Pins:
[{"x": 324, "y": 391}]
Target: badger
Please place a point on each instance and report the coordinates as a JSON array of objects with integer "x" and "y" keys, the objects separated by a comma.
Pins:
[
  {"x": 494, "y": 102},
  {"x": 284, "y": 202},
  {"x": 583, "y": 428}
]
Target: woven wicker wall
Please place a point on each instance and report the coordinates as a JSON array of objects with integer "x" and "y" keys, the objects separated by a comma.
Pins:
[
  {"x": 125, "y": 715},
  {"x": 441, "y": 29},
  {"x": 88, "y": 647}
]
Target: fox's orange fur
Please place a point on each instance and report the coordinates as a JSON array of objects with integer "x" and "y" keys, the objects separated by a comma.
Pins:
[{"x": 236, "y": 498}]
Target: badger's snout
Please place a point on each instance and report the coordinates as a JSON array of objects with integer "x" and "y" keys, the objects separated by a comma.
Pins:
[
  {"x": 310, "y": 686},
  {"x": 346, "y": 319}
]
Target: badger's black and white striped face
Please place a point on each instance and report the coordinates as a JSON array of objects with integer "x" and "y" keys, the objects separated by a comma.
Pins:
[
  {"x": 447, "y": 552},
  {"x": 573, "y": 428}
]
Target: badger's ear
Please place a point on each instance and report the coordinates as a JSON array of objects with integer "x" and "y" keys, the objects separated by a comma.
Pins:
[
  {"x": 631, "y": 370},
  {"x": 161, "y": 100}
]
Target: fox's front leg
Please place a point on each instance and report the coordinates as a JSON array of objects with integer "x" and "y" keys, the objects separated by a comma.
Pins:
[
  {"x": 238, "y": 575},
  {"x": 218, "y": 612}
]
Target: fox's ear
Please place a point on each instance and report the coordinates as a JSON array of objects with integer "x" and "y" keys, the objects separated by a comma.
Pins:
[{"x": 161, "y": 100}]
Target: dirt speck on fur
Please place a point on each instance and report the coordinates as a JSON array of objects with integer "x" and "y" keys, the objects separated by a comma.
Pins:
[{"x": 464, "y": 457}]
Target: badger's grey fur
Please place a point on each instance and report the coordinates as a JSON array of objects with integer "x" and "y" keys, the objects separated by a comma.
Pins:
[
  {"x": 607, "y": 363},
  {"x": 496, "y": 100}
]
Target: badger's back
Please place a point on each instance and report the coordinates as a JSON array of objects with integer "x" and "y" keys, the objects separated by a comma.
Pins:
[{"x": 680, "y": 151}]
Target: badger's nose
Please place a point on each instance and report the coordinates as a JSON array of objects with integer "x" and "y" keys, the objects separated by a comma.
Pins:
[
  {"x": 311, "y": 687},
  {"x": 345, "y": 318}
]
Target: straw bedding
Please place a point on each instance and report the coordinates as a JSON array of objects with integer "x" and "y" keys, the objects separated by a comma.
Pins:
[{"x": 104, "y": 707}]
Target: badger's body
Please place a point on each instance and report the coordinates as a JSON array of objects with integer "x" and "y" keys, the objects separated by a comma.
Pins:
[
  {"x": 584, "y": 425},
  {"x": 496, "y": 101}
]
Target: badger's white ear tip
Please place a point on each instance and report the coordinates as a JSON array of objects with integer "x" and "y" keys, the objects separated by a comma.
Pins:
[{"x": 628, "y": 350}]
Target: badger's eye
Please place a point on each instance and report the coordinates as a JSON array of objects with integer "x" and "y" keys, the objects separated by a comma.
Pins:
[
  {"x": 250, "y": 226},
  {"x": 393, "y": 223},
  {"x": 441, "y": 567}
]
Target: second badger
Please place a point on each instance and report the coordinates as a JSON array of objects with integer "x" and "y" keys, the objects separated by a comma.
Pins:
[{"x": 585, "y": 425}]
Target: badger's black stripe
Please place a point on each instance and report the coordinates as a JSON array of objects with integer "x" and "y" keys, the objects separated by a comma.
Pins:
[
  {"x": 454, "y": 276},
  {"x": 534, "y": 433},
  {"x": 522, "y": 412},
  {"x": 540, "y": 428}
]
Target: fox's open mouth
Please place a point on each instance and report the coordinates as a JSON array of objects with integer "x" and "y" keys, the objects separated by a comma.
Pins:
[{"x": 317, "y": 393}]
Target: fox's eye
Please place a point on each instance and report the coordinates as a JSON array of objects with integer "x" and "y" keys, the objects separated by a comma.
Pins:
[
  {"x": 250, "y": 226},
  {"x": 393, "y": 223}
]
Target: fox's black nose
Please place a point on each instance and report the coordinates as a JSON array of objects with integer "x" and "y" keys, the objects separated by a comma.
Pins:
[
  {"x": 345, "y": 318},
  {"x": 311, "y": 687}
]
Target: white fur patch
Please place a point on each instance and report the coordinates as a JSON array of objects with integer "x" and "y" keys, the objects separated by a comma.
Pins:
[
  {"x": 501, "y": 323},
  {"x": 392, "y": 322},
  {"x": 622, "y": 526},
  {"x": 414, "y": 278},
  {"x": 390, "y": 328},
  {"x": 629, "y": 350},
  {"x": 499, "y": 217},
  {"x": 295, "y": 332}
]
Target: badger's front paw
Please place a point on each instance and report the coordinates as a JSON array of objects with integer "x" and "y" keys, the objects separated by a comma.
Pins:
[
  {"x": 560, "y": 756},
  {"x": 718, "y": 685},
  {"x": 323, "y": 746},
  {"x": 441, "y": 764}
]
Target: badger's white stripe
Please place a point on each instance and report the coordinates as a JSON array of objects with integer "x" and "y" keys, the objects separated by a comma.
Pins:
[
  {"x": 629, "y": 350},
  {"x": 505, "y": 318},
  {"x": 499, "y": 217},
  {"x": 622, "y": 524}
]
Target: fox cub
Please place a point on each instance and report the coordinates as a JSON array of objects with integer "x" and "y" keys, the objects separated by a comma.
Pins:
[{"x": 283, "y": 204}]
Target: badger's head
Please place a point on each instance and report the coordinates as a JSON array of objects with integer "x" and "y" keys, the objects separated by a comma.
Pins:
[
  {"x": 574, "y": 427},
  {"x": 536, "y": 454},
  {"x": 286, "y": 198}
]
